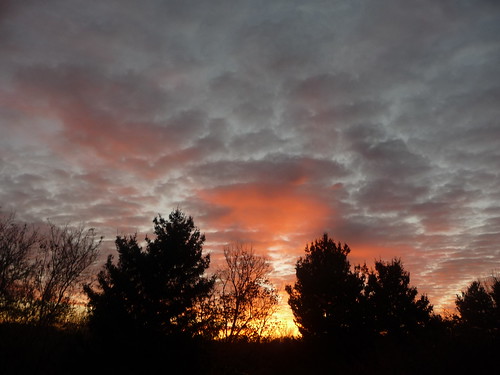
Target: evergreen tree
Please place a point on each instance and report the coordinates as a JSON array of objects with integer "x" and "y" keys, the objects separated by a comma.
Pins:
[
  {"x": 155, "y": 289},
  {"x": 326, "y": 297},
  {"x": 476, "y": 307},
  {"x": 495, "y": 295},
  {"x": 393, "y": 306}
]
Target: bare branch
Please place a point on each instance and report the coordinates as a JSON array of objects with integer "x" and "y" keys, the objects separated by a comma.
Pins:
[{"x": 245, "y": 298}]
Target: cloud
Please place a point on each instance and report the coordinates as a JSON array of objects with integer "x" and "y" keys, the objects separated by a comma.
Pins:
[
  {"x": 273, "y": 218},
  {"x": 269, "y": 123}
]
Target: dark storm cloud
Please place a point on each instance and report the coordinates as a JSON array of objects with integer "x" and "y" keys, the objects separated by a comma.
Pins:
[{"x": 371, "y": 120}]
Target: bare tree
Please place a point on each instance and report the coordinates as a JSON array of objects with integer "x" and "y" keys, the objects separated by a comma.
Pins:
[
  {"x": 17, "y": 242},
  {"x": 245, "y": 300},
  {"x": 66, "y": 253},
  {"x": 40, "y": 270}
]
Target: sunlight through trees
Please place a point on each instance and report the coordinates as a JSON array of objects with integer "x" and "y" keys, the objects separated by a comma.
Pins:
[
  {"x": 42, "y": 270},
  {"x": 245, "y": 300},
  {"x": 166, "y": 288}
]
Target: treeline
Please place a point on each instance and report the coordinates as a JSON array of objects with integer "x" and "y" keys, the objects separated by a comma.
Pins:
[
  {"x": 332, "y": 299},
  {"x": 164, "y": 288},
  {"x": 161, "y": 289},
  {"x": 157, "y": 300}
]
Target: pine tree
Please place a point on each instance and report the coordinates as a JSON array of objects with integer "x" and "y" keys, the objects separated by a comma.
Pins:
[
  {"x": 325, "y": 299},
  {"x": 476, "y": 307},
  {"x": 393, "y": 306},
  {"x": 153, "y": 289}
]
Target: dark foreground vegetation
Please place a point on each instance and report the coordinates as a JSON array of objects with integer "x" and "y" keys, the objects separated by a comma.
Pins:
[
  {"x": 156, "y": 309},
  {"x": 35, "y": 350}
]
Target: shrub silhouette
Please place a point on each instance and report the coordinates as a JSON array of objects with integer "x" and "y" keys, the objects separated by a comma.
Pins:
[{"x": 153, "y": 290}]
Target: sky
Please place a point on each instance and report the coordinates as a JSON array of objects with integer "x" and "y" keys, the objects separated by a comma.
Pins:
[{"x": 269, "y": 122}]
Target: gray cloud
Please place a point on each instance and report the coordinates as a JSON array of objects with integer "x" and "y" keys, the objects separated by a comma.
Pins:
[{"x": 382, "y": 119}]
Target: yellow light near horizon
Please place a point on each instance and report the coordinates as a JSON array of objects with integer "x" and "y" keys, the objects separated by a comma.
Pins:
[{"x": 286, "y": 325}]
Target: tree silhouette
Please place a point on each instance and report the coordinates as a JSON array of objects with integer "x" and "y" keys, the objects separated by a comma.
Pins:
[
  {"x": 153, "y": 289},
  {"x": 39, "y": 273},
  {"x": 16, "y": 245},
  {"x": 495, "y": 295},
  {"x": 476, "y": 306},
  {"x": 326, "y": 297},
  {"x": 244, "y": 297},
  {"x": 66, "y": 253},
  {"x": 393, "y": 305}
]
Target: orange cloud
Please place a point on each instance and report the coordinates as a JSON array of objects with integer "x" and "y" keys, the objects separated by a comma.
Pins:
[
  {"x": 272, "y": 211},
  {"x": 277, "y": 220}
]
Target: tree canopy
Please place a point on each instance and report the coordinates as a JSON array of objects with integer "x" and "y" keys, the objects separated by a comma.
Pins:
[
  {"x": 160, "y": 285},
  {"x": 392, "y": 303},
  {"x": 325, "y": 298},
  {"x": 331, "y": 298},
  {"x": 478, "y": 307},
  {"x": 153, "y": 289}
]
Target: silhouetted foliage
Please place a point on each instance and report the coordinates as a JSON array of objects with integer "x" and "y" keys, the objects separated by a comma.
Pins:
[
  {"x": 244, "y": 299},
  {"x": 326, "y": 298},
  {"x": 40, "y": 273},
  {"x": 478, "y": 308},
  {"x": 16, "y": 269},
  {"x": 392, "y": 304},
  {"x": 153, "y": 289},
  {"x": 65, "y": 255},
  {"x": 331, "y": 299},
  {"x": 28, "y": 349},
  {"x": 161, "y": 288},
  {"x": 495, "y": 295}
]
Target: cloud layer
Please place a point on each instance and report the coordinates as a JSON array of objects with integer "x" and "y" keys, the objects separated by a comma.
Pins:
[{"x": 268, "y": 122}]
